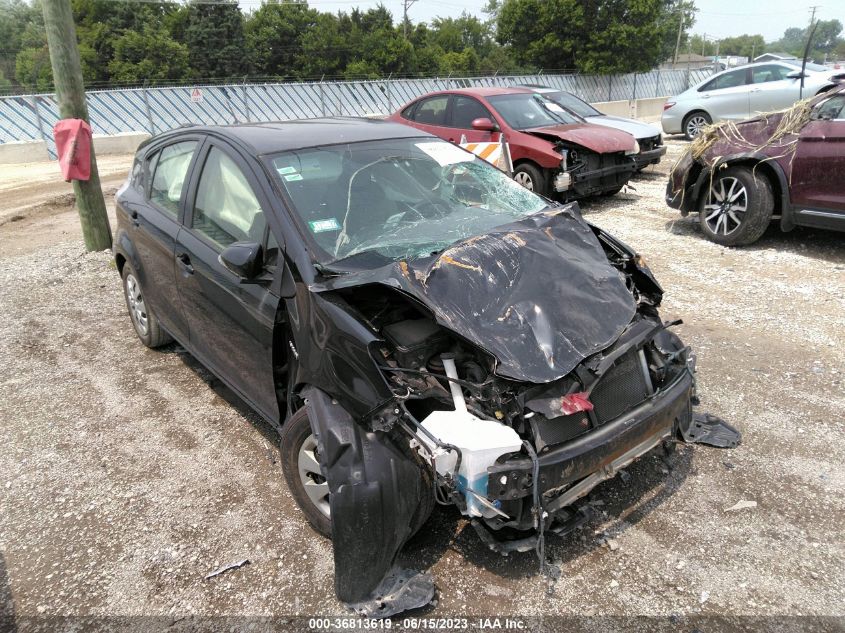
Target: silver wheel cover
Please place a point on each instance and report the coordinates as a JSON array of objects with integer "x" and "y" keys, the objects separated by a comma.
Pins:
[
  {"x": 311, "y": 477},
  {"x": 725, "y": 207}
]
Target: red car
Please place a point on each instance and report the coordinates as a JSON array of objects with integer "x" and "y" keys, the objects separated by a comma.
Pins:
[
  {"x": 788, "y": 166},
  {"x": 554, "y": 152}
]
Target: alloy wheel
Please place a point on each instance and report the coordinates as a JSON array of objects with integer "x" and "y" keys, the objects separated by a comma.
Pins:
[
  {"x": 137, "y": 307},
  {"x": 725, "y": 206},
  {"x": 696, "y": 124},
  {"x": 313, "y": 482},
  {"x": 524, "y": 179}
]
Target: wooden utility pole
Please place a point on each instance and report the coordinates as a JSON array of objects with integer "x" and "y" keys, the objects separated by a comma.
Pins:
[
  {"x": 70, "y": 94},
  {"x": 406, "y": 4}
]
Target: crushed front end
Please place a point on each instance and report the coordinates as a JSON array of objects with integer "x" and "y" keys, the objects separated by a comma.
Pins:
[{"x": 525, "y": 366}]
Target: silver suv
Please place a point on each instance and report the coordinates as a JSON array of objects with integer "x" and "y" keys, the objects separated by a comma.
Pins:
[{"x": 740, "y": 93}]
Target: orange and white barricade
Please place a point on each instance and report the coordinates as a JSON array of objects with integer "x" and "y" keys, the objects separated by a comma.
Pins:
[{"x": 496, "y": 153}]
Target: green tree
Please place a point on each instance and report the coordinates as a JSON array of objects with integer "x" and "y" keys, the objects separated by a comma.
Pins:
[
  {"x": 825, "y": 40},
  {"x": 214, "y": 35},
  {"x": 15, "y": 15},
  {"x": 32, "y": 69},
  {"x": 603, "y": 36},
  {"x": 150, "y": 55},
  {"x": 743, "y": 45},
  {"x": 276, "y": 34}
]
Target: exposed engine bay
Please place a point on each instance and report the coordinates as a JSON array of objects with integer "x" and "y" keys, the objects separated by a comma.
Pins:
[{"x": 516, "y": 387}]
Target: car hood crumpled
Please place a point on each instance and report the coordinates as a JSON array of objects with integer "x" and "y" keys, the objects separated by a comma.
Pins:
[
  {"x": 603, "y": 140},
  {"x": 538, "y": 294}
]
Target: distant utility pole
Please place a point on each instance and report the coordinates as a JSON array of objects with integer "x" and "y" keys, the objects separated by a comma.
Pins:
[
  {"x": 813, "y": 14},
  {"x": 406, "y": 4},
  {"x": 70, "y": 93},
  {"x": 680, "y": 30}
]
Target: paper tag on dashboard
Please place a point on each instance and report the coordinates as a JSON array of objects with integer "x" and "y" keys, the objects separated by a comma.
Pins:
[{"x": 446, "y": 153}]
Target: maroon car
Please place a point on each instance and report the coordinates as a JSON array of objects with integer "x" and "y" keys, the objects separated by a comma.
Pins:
[
  {"x": 554, "y": 152},
  {"x": 769, "y": 167}
]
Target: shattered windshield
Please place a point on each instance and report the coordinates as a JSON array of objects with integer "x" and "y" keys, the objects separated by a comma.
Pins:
[
  {"x": 525, "y": 110},
  {"x": 396, "y": 199}
]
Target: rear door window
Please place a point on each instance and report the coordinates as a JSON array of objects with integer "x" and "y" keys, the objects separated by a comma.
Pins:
[
  {"x": 728, "y": 80},
  {"x": 432, "y": 111},
  {"x": 226, "y": 208},
  {"x": 169, "y": 168}
]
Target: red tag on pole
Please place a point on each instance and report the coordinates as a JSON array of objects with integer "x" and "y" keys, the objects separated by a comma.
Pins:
[{"x": 73, "y": 143}]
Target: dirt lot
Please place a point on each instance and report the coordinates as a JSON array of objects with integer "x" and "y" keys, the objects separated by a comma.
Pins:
[{"x": 127, "y": 475}]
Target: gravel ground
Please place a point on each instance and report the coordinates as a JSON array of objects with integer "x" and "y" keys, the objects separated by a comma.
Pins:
[{"x": 127, "y": 475}]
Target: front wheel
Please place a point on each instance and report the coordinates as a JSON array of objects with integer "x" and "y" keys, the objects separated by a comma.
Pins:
[
  {"x": 531, "y": 177},
  {"x": 301, "y": 467},
  {"x": 737, "y": 208}
]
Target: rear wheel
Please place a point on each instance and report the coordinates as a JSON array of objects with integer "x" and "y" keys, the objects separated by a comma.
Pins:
[
  {"x": 694, "y": 123},
  {"x": 531, "y": 177},
  {"x": 737, "y": 208},
  {"x": 141, "y": 313}
]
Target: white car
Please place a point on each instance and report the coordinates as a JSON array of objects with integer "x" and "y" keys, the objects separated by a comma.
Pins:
[{"x": 743, "y": 92}]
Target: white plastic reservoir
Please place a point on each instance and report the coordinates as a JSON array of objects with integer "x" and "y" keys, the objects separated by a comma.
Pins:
[{"x": 481, "y": 443}]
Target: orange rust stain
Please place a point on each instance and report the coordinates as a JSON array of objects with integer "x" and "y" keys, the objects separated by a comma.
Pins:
[
  {"x": 515, "y": 238},
  {"x": 548, "y": 232},
  {"x": 454, "y": 262},
  {"x": 403, "y": 265}
]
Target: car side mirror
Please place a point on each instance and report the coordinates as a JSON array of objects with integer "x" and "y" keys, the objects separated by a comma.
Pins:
[
  {"x": 245, "y": 259},
  {"x": 483, "y": 124},
  {"x": 795, "y": 74}
]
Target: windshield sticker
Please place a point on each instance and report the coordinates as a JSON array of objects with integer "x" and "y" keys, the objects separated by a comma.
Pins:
[
  {"x": 320, "y": 226},
  {"x": 445, "y": 153},
  {"x": 290, "y": 177},
  {"x": 554, "y": 107},
  {"x": 286, "y": 170}
]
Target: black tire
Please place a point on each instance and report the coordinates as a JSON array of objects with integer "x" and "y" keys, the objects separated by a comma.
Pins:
[
  {"x": 296, "y": 431},
  {"x": 722, "y": 221},
  {"x": 532, "y": 178},
  {"x": 141, "y": 313},
  {"x": 694, "y": 122},
  {"x": 294, "y": 435}
]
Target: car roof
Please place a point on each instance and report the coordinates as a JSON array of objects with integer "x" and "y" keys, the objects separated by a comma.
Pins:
[
  {"x": 280, "y": 136},
  {"x": 488, "y": 92}
]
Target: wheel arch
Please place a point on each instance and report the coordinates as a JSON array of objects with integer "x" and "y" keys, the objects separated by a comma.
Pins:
[{"x": 697, "y": 110}]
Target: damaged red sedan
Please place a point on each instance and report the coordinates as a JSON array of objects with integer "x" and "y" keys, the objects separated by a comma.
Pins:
[
  {"x": 787, "y": 166},
  {"x": 418, "y": 327},
  {"x": 554, "y": 152}
]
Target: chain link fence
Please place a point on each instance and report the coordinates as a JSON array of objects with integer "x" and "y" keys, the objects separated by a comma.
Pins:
[{"x": 153, "y": 110}]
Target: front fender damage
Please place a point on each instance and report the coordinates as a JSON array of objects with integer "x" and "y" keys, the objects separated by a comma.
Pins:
[{"x": 376, "y": 496}]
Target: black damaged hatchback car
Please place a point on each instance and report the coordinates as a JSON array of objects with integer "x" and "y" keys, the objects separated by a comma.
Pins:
[{"x": 418, "y": 327}]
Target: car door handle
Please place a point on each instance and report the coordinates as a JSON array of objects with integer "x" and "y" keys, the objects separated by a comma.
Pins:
[
  {"x": 134, "y": 219},
  {"x": 185, "y": 262},
  {"x": 756, "y": 89}
]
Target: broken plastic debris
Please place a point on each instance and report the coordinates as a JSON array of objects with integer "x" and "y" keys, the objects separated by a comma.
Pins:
[
  {"x": 742, "y": 505},
  {"x": 705, "y": 596},
  {"x": 575, "y": 402},
  {"x": 225, "y": 568}
]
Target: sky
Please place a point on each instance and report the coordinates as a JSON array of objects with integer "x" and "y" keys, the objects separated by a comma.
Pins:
[{"x": 715, "y": 18}]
